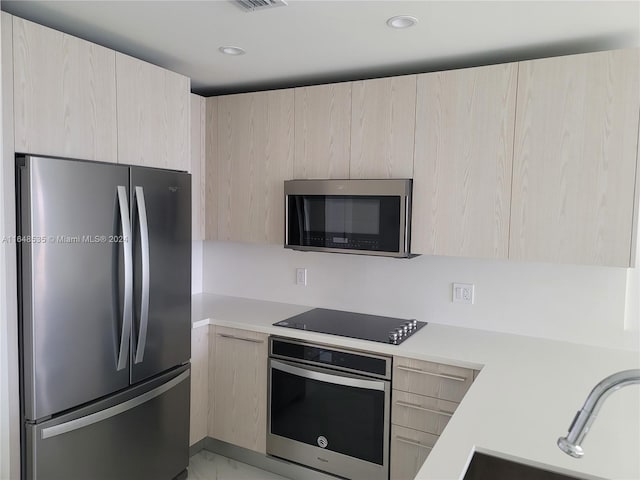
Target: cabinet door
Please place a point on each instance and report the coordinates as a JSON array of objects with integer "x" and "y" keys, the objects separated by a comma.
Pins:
[
  {"x": 211, "y": 170},
  {"x": 239, "y": 392},
  {"x": 575, "y": 158},
  {"x": 255, "y": 156},
  {"x": 409, "y": 449},
  {"x": 463, "y": 160},
  {"x": 322, "y": 131},
  {"x": 64, "y": 94},
  {"x": 153, "y": 115},
  {"x": 199, "y": 383},
  {"x": 383, "y": 127},
  {"x": 198, "y": 171}
]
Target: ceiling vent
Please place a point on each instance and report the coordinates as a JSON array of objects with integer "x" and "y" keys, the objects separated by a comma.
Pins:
[{"x": 253, "y": 5}]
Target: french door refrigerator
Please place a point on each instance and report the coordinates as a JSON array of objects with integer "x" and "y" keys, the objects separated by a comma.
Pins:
[{"x": 104, "y": 256}]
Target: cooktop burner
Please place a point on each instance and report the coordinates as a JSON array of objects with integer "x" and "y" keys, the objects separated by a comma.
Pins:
[{"x": 354, "y": 325}]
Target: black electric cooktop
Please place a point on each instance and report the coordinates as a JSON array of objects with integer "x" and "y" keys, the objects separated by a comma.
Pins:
[{"x": 354, "y": 325}]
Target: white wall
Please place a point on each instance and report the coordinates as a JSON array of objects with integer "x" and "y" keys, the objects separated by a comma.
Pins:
[
  {"x": 196, "y": 267},
  {"x": 566, "y": 302}
]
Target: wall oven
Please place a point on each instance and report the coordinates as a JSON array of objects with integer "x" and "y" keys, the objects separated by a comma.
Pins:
[
  {"x": 349, "y": 216},
  {"x": 329, "y": 408}
]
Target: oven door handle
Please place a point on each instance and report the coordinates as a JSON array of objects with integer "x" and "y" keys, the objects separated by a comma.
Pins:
[{"x": 334, "y": 378}]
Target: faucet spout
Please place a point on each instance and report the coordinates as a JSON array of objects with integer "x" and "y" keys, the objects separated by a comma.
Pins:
[{"x": 571, "y": 443}]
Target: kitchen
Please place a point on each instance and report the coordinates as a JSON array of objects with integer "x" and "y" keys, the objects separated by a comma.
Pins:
[{"x": 562, "y": 300}]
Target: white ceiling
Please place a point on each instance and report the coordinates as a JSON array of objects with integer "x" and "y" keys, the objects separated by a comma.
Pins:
[{"x": 317, "y": 41}]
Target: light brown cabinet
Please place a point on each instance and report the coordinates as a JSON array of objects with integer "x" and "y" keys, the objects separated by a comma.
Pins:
[
  {"x": 199, "y": 384},
  {"x": 197, "y": 167},
  {"x": 424, "y": 397},
  {"x": 255, "y": 156},
  {"x": 575, "y": 153},
  {"x": 409, "y": 449},
  {"x": 211, "y": 174},
  {"x": 322, "y": 131},
  {"x": 383, "y": 127},
  {"x": 153, "y": 115},
  {"x": 463, "y": 160},
  {"x": 239, "y": 391},
  {"x": 64, "y": 94}
]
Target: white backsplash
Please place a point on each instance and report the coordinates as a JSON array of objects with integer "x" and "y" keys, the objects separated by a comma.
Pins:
[
  {"x": 196, "y": 267},
  {"x": 566, "y": 302}
]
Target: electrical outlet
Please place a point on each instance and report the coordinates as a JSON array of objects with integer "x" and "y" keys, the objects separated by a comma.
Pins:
[
  {"x": 463, "y": 293},
  {"x": 301, "y": 276}
]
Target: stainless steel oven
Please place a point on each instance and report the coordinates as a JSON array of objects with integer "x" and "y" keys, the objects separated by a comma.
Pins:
[{"x": 329, "y": 408}]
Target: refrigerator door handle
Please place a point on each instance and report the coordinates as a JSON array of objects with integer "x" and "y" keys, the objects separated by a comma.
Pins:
[
  {"x": 144, "y": 248},
  {"x": 127, "y": 311},
  {"x": 112, "y": 411}
]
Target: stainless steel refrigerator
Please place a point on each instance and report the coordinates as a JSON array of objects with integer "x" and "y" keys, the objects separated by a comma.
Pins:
[{"x": 104, "y": 319}]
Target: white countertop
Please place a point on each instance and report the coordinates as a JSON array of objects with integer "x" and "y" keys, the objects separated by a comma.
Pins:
[{"x": 525, "y": 397}]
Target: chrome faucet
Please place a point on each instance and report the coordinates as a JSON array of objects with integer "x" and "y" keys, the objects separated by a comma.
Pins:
[{"x": 587, "y": 414}]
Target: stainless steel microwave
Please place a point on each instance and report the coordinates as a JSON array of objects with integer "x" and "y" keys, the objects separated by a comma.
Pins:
[{"x": 367, "y": 217}]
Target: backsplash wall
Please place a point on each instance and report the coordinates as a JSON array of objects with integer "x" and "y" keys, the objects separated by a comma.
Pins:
[{"x": 565, "y": 302}]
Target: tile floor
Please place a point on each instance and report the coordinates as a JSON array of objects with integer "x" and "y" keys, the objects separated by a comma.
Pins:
[{"x": 205, "y": 465}]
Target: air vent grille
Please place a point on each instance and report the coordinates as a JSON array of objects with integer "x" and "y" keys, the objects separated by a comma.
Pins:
[{"x": 253, "y": 5}]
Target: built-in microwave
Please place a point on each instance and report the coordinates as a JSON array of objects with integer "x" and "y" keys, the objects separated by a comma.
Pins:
[{"x": 370, "y": 217}]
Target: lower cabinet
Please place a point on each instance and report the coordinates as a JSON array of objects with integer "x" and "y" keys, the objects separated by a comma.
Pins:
[
  {"x": 238, "y": 401},
  {"x": 409, "y": 449},
  {"x": 424, "y": 397},
  {"x": 199, "y": 384}
]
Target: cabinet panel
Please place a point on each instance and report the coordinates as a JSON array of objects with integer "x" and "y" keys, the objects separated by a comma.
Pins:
[
  {"x": 463, "y": 161},
  {"x": 431, "y": 379},
  {"x": 197, "y": 169},
  {"x": 422, "y": 413},
  {"x": 255, "y": 155},
  {"x": 153, "y": 115},
  {"x": 64, "y": 94},
  {"x": 409, "y": 449},
  {"x": 212, "y": 171},
  {"x": 239, "y": 393},
  {"x": 575, "y": 158},
  {"x": 322, "y": 131},
  {"x": 199, "y": 383},
  {"x": 383, "y": 127}
]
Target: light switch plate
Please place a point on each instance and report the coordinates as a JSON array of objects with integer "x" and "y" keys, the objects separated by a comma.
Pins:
[
  {"x": 463, "y": 293},
  {"x": 301, "y": 276}
]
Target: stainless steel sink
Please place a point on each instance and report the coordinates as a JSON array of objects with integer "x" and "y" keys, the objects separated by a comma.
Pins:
[{"x": 488, "y": 467}]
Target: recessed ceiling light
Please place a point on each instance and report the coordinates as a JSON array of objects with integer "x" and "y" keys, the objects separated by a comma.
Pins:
[
  {"x": 402, "y": 21},
  {"x": 229, "y": 50}
]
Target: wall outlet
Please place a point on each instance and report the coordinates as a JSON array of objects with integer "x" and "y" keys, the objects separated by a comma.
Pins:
[
  {"x": 463, "y": 293},
  {"x": 301, "y": 276}
]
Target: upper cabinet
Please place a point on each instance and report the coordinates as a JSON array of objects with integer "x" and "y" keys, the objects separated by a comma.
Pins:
[
  {"x": 462, "y": 166},
  {"x": 211, "y": 169},
  {"x": 575, "y": 154},
  {"x": 382, "y": 127},
  {"x": 197, "y": 168},
  {"x": 255, "y": 156},
  {"x": 64, "y": 94},
  {"x": 75, "y": 99},
  {"x": 322, "y": 131},
  {"x": 153, "y": 115}
]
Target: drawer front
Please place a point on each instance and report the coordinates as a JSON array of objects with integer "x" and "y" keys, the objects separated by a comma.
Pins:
[
  {"x": 431, "y": 379},
  {"x": 418, "y": 412},
  {"x": 409, "y": 449}
]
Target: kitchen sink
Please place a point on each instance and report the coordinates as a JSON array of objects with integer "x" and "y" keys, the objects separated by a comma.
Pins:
[{"x": 488, "y": 467}]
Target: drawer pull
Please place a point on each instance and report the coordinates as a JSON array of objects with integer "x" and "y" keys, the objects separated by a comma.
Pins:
[
  {"x": 233, "y": 337},
  {"x": 423, "y": 409},
  {"x": 441, "y": 375},
  {"x": 412, "y": 442}
]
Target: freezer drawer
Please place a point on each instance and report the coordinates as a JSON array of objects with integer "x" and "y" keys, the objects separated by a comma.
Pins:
[{"x": 142, "y": 433}]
